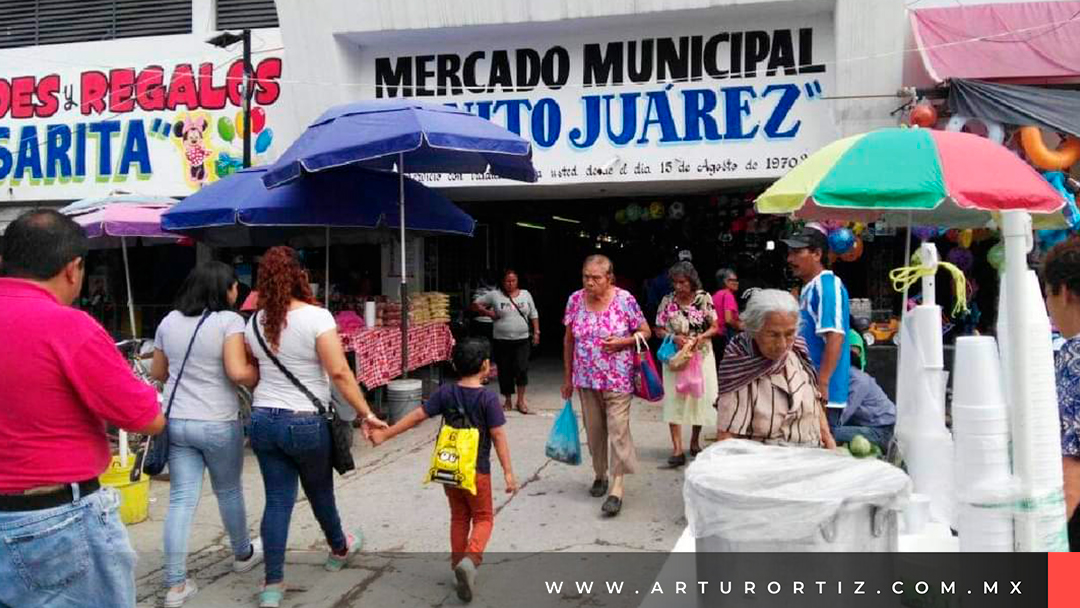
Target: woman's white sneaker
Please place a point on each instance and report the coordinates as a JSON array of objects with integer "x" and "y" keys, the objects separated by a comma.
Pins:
[
  {"x": 175, "y": 599},
  {"x": 242, "y": 566}
]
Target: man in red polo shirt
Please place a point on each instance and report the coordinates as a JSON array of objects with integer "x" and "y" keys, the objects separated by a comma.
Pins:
[{"x": 62, "y": 543}]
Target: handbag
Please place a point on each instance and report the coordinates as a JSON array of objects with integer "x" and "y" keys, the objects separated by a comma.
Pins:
[
  {"x": 453, "y": 463},
  {"x": 682, "y": 358},
  {"x": 341, "y": 431},
  {"x": 648, "y": 383},
  {"x": 156, "y": 454}
]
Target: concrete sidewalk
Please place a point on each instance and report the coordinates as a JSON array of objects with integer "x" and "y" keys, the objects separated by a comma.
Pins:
[{"x": 400, "y": 517}]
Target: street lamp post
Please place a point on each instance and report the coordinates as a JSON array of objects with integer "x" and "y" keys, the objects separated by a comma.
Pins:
[{"x": 225, "y": 40}]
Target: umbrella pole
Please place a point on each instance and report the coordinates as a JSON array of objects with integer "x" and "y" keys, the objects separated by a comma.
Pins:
[
  {"x": 131, "y": 319},
  {"x": 404, "y": 278},
  {"x": 326, "y": 293}
]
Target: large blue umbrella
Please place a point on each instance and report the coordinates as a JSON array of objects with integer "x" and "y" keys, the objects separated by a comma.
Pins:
[
  {"x": 239, "y": 210},
  {"x": 410, "y": 136}
]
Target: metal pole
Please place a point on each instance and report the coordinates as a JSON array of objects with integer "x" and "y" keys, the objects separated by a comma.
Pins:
[
  {"x": 404, "y": 277},
  {"x": 134, "y": 334},
  {"x": 326, "y": 295},
  {"x": 247, "y": 98}
]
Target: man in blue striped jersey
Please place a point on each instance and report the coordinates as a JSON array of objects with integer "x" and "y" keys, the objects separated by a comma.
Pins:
[{"x": 825, "y": 315}]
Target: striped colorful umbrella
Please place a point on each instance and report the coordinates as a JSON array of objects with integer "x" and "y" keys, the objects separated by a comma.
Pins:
[{"x": 943, "y": 178}]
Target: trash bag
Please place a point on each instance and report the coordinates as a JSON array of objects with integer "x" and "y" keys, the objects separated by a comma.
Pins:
[
  {"x": 563, "y": 443},
  {"x": 667, "y": 349},
  {"x": 690, "y": 380}
]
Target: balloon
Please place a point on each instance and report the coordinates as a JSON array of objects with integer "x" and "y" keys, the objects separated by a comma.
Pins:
[
  {"x": 657, "y": 210},
  {"x": 996, "y": 256},
  {"x": 961, "y": 257},
  {"x": 924, "y": 233},
  {"x": 952, "y": 236},
  {"x": 263, "y": 141},
  {"x": 239, "y": 122},
  {"x": 858, "y": 228},
  {"x": 855, "y": 253},
  {"x": 831, "y": 225},
  {"x": 258, "y": 119},
  {"x": 841, "y": 241},
  {"x": 226, "y": 129},
  {"x": 620, "y": 216},
  {"x": 966, "y": 237},
  {"x": 677, "y": 210},
  {"x": 923, "y": 115},
  {"x": 633, "y": 213}
]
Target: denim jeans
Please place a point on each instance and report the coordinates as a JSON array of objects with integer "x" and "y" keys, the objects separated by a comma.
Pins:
[
  {"x": 196, "y": 445},
  {"x": 293, "y": 446},
  {"x": 75, "y": 555}
]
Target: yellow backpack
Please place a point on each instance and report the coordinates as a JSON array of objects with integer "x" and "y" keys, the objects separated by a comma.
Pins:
[{"x": 454, "y": 461}]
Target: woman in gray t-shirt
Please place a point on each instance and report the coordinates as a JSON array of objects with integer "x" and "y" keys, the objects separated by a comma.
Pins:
[
  {"x": 204, "y": 424},
  {"x": 517, "y": 329}
]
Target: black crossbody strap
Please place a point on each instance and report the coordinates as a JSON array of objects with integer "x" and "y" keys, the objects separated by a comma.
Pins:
[
  {"x": 183, "y": 364},
  {"x": 296, "y": 382}
]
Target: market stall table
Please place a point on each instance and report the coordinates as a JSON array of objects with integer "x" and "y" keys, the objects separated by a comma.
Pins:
[{"x": 378, "y": 349}]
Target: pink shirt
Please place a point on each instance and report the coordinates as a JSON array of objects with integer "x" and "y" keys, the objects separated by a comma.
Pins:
[
  {"x": 593, "y": 368},
  {"x": 725, "y": 300},
  {"x": 61, "y": 378}
]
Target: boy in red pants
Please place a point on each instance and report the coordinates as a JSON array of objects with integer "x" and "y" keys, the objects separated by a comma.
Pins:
[{"x": 471, "y": 517}]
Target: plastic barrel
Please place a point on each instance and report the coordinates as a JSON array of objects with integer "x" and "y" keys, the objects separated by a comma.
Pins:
[
  {"x": 402, "y": 397},
  {"x": 134, "y": 497}
]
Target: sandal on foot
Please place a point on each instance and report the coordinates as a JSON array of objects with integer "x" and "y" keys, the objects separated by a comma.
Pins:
[
  {"x": 524, "y": 409},
  {"x": 599, "y": 488},
  {"x": 674, "y": 462},
  {"x": 612, "y": 506},
  {"x": 694, "y": 452}
]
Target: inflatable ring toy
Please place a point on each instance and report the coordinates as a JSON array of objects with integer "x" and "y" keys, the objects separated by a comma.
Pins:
[
  {"x": 1060, "y": 159},
  {"x": 994, "y": 131}
]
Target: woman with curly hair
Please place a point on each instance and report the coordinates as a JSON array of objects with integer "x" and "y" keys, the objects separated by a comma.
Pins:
[{"x": 290, "y": 439}]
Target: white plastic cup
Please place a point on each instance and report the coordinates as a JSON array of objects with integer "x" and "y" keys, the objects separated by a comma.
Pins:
[
  {"x": 977, "y": 372},
  {"x": 369, "y": 313},
  {"x": 980, "y": 420},
  {"x": 916, "y": 514}
]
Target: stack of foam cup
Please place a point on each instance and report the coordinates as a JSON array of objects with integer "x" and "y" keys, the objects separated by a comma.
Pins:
[
  {"x": 984, "y": 485},
  {"x": 1040, "y": 504}
]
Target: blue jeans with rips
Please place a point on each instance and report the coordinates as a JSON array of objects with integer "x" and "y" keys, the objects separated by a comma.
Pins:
[
  {"x": 70, "y": 556},
  {"x": 194, "y": 446},
  {"x": 293, "y": 446}
]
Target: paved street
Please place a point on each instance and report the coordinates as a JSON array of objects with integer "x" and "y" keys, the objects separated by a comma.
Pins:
[{"x": 401, "y": 518}]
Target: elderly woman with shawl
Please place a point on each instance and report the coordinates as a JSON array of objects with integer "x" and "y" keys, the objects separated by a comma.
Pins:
[{"x": 768, "y": 386}]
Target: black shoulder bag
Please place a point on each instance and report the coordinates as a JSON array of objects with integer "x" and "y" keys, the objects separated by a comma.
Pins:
[
  {"x": 157, "y": 452},
  {"x": 341, "y": 431}
]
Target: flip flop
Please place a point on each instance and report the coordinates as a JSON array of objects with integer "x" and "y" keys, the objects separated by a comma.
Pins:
[{"x": 612, "y": 506}]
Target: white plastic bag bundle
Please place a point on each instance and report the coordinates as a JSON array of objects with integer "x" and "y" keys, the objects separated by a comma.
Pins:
[{"x": 746, "y": 491}]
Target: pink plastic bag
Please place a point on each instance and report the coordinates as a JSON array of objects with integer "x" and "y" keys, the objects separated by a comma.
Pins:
[{"x": 689, "y": 380}]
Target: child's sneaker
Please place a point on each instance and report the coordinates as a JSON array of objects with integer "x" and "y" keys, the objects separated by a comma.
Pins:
[
  {"x": 465, "y": 572},
  {"x": 334, "y": 562}
]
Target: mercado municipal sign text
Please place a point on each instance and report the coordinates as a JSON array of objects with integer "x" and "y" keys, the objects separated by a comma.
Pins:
[{"x": 756, "y": 92}]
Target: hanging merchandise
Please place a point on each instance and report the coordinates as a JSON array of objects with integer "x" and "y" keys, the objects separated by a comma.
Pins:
[
  {"x": 996, "y": 256},
  {"x": 633, "y": 213},
  {"x": 620, "y": 216},
  {"x": 841, "y": 240},
  {"x": 677, "y": 210},
  {"x": 924, "y": 233},
  {"x": 923, "y": 115},
  {"x": 994, "y": 131},
  {"x": 1060, "y": 181},
  {"x": 656, "y": 210},
  {"x": 966, "y": 237},
  {"x": 953, "y": 235},
  {"x": 962, "y": 258},
  {"x": 855, "y": 253},
  {"x": 1064, "y": 156},
  {"x": 858, "y": 228}
]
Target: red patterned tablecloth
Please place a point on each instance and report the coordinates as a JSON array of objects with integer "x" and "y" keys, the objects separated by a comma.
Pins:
[{"x": 378, "y": 350}]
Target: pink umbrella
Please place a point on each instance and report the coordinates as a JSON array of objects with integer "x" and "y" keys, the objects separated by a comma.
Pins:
[{"x": 125, "y": 221}]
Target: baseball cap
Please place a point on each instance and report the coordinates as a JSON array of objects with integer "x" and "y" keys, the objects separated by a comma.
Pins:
[
  {"x": 686, "y": 256},
  {"x": 807, "y": 237}
]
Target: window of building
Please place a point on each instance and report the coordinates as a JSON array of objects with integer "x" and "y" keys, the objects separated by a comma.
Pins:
[
  {"x": 41, "y": 22},
  {"x": 246, "y": 14}
]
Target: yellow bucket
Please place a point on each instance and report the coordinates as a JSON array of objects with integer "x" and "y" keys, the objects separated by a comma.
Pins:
[{"x": 134, "y": 497}]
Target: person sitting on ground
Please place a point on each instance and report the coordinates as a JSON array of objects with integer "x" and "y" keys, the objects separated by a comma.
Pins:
[
  {"x": 869, "y": 411},
  {"x": 471, "y": 516},
  {"x": 768, "y": 384}
]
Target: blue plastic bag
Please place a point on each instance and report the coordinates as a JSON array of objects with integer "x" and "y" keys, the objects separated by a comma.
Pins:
[
  {"x": 563, "y": 443},
  {"x": 667, "y": 349}
]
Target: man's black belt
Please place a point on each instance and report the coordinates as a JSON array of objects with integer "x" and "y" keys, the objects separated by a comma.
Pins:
[{"x": 35, "y": 500}]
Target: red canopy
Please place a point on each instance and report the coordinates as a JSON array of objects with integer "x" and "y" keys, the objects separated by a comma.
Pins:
[{"x": 1029, "y": 41}]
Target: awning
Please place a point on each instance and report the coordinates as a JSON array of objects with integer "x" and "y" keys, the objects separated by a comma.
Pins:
[
  {"x": 1052, "y": 109},
  {"x": 1028, "y": 41}
]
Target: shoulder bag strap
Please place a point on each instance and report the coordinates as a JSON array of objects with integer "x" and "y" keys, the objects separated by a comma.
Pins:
[
  {"x": 303, "y": 389},
  {"x": 528, "y": 323},
  {"x": 183, "y": 364}
]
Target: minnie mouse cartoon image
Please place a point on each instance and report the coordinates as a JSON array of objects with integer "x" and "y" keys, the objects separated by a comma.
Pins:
[{"x": 191, "y": 130}]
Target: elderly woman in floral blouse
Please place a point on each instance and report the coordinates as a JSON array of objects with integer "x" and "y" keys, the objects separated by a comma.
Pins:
[
  {"x": 603, "y": 323},
  {"x": 688, "y": 315}
]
